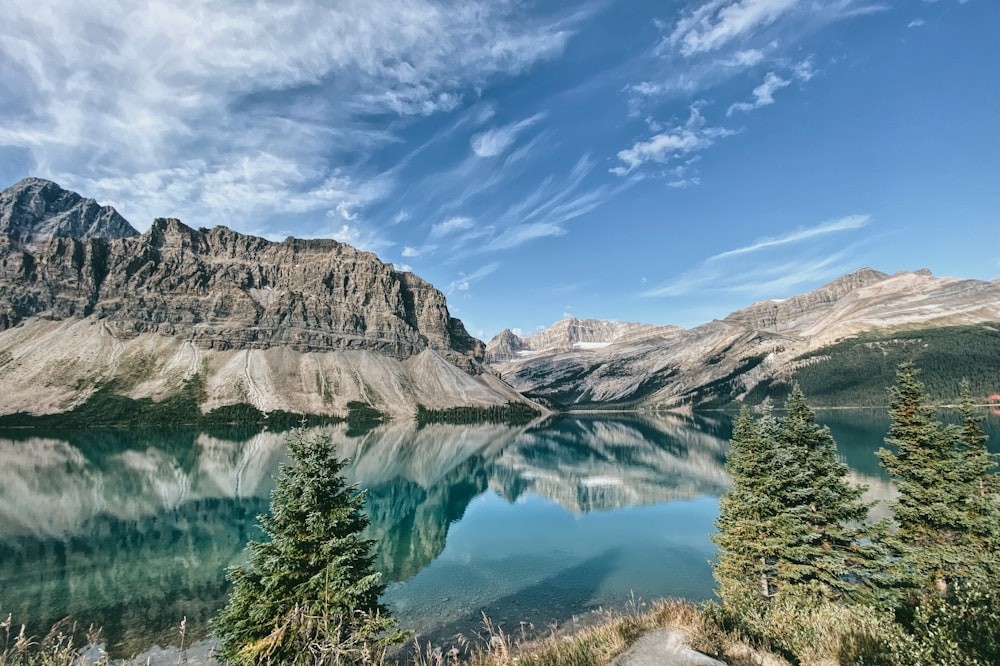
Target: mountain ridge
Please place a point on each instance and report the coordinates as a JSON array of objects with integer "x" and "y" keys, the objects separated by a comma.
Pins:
[
  {"x": 301, "y": 325},
  {"x": 763, "y": 344}
]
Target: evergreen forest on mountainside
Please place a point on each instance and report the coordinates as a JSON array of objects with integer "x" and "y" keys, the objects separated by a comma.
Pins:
[{"x": 855, "y": 372}]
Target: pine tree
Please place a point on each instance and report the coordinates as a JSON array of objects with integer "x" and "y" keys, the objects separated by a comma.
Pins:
[
  {"x": 980, "y": 486},
  {"x": 791, "y": 525},
  {"x": 753, "y": 528},
  {"x": 309, "y": 594},
  {"x": 827, "y": 559},
  {"x": 742, "y": 568},
  {"x": 946, "y": 510}
]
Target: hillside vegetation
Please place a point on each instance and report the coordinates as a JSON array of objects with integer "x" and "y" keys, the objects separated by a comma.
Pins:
[{"x": 855, "y": 372}]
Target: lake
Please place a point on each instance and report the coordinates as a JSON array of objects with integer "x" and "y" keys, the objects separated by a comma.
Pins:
[{"x": 132, "y": 531}]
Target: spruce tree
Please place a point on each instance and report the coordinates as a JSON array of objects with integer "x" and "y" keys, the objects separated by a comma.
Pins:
[
  {"x": 742, "y": 567},
  {"x": 946, "y": 510},
  {"x": 790, "y": 526},
  {"x": 826, "y": 559},
  {"x": 981, "y": 488},
  {"x": 753, "y": 528},
  {"x": 309, "y": 594}
]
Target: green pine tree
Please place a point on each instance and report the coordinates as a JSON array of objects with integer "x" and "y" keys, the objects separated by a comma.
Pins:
[
  {"x": 753, "y": 528},
  {"x": 980, "y": 487},
  {"x": 946, "y": 510},
  {"x": 827, "y": 559},
  {"x": 744, "y": 567},
  {"x": 309, "y": 594},
  {"x": 790, "y": 526}
]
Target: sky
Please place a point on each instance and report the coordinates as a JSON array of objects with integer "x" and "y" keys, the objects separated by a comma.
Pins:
[{"x": 663, "y": 162}]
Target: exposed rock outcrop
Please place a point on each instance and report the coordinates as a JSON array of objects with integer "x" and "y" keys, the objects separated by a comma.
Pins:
[
  {"x": 34, "y": 211},
  {"x": 725, "y": 359},
  {"x": 305, "y": 325},
  {"x": 566, "y": 335}
]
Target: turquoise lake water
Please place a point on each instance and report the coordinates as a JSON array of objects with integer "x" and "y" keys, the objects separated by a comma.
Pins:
[{"x": 132, "y": 531}]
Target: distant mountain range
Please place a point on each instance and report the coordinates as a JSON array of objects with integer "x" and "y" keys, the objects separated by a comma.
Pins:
[
  {"x": 304, "y": 326},
  {"x": 90, "y": 309},
  {"x": 842, "y": 342}
]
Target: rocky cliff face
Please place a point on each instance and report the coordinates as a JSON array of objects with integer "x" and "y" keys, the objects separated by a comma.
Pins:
[
  {"x": 563, "y": 336},
  {"x": 726, "y": 359},
  {"x": 116, "y": 305},
  {"x": 34, "y": 211}
]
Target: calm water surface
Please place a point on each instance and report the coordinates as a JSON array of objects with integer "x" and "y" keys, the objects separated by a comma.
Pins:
[{"x": 133, "y": 531}]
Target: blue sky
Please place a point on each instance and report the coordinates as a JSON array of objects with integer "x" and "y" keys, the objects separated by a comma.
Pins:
[{"x": 663, "y": 162}]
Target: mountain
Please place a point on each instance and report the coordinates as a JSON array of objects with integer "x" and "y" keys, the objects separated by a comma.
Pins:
[
  {"x": 841, "y": 341},
  {"x": 565, "y": 335},
  {"x": 302, "y": 325},
  {"x": 34, "y": 211}
]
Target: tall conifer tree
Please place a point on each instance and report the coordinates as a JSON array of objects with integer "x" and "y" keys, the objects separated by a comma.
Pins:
[
  {"x": 791, "y": 525},
  {"x": 946, "y": 510},
  {"x": 827, "y": 559},
  {"x": 309, "y": 594}
]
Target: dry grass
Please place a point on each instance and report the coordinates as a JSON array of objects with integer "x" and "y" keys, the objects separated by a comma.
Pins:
[{"x": 598, "y": 643}]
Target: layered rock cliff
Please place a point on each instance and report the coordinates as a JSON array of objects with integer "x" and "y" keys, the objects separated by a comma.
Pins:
[
  {"x": 566, "y": 335},
  {"x": 767, "y": 344},
  {"x": 303, "y": 325}
]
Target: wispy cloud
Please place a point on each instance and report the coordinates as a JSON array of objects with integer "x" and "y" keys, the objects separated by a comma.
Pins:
[
  {"x": 763, "y": 95},
  {"x": 451, "y": 225},
  {"x": 464, "y": 281},
  {"x": 116, "y": 98},
  {"x": 497, "y": 140},
  {"x": 769, "y": 280},
  {"x": 522, "y": 233},
  {"x": 916, "y": 23},
  {"x": 847, "y": 223},
  {"x": 679, "y": 141},
  {"x": 719, "y": 22},
  {"x": 734, "y": 272}
]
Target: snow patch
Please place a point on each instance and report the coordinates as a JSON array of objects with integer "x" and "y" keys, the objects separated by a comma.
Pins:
[{"x": 590, "y": 345}]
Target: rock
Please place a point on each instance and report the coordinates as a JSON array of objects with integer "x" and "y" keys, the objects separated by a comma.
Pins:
[
  {"x": 725, "y": 359},
  {"x": 215, "y": 292}
]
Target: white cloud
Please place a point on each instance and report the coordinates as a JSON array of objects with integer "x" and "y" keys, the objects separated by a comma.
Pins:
[
  {"x": 847, "y": 223},
  {"x": 405, "y": 268},
  {"x": 465, "y": 280},
  {"x": 766, "y": 280},
  {"x": 359, "y": 237},
  {"x": 410, "y": 252},
  {"x": 450, "y": 225},
  {"x": 114, "y": 98},
  {"x": 745, "y": 58},
  {"x": 916, "y": 23},
  {"x": 522, "y": 233},
  {"x": 719, "y": 22},
  {"x": 693, "y": 136},
  {"x": 737, "y": 272},
  {"x": 804, "y": 70},
  {"x": 497, "y": 140},
  {"x": 684, "y": 183},
  {"x": 763, "y": 95}
]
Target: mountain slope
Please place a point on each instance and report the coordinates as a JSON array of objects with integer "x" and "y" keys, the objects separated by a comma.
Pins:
[
  {"x": 301, "y": 325},
  {"x": 763, "y": 345}
]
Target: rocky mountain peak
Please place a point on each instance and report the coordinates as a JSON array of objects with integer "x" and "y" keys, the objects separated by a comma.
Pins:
[
  {"x": 781, "y": 315},
  {"x": 69, "y": 258},
  {"x": 33, "y": 211},
  {"x": 564, "y": 335}
]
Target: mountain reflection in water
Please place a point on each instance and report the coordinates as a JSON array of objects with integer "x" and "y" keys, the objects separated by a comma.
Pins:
[{"x": 133, "y": 531}]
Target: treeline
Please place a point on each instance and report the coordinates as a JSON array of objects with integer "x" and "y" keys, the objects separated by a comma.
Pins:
[
  {"x": 106, "y": 408},
  {"x": 802, "y": 572},
  {"x": 856, "y": 372},
  {"x": 511, "y": 413}
]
